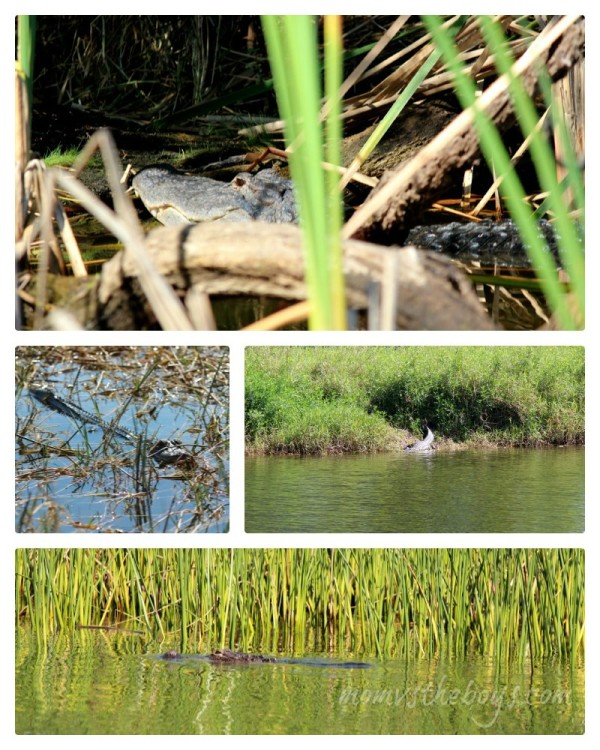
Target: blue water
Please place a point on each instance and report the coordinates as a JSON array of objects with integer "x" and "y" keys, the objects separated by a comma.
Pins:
[{"x": 72, "y": 477}]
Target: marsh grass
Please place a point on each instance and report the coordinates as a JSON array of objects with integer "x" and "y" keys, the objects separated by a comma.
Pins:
[
  {"x": 66, "y": 157},
  {"x": 498, "y": 158},
  {"x": 352, "y": 399},
  {"x": 512, "y": 604},
  {"x": 73, "y": 475}
]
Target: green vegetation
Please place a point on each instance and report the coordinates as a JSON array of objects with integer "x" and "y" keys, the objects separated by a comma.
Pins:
[
  {"x": 353, "y": 399},
  {"x": 66, "y": 157},
  {"x": 498, "y": 158},
  {"x": 518, "y": 604},
  {"x": 294, "y": 56},
  {"x": 26, "y": 30}
]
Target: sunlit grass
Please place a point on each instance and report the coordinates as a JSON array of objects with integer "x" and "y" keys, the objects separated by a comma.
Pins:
[
  {"x": 66, "y": 157},
  {"x": 353, "y": 399},
  {"x": 508, "y": 604},
  {"x": 498, "y": 159},
  {"x": 294, "y": 58}
]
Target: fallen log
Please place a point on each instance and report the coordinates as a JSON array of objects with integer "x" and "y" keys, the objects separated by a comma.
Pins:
[
  {"x": 266, "y": 259},
  {"x": 404, "y": 193}
]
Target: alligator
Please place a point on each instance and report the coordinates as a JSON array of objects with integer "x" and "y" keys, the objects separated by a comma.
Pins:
[
  {"x": 227, "y": 656},
  {"x": 488, "y": 242},
  {"x": 176, "y": 198},
  {"x": 423, "y": 446},
  {"x": 163, "y": 451},
  {"x": 48, "y": 398}
]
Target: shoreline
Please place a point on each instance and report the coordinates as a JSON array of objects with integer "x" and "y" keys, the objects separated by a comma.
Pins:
[{"x": 444, "y": 446}]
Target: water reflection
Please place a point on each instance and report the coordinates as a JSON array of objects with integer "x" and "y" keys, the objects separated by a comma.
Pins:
[
  {"x": 512, "y": 490},
  {"x": 77, "y": 476},
  {"x": 105, "y": 685}
]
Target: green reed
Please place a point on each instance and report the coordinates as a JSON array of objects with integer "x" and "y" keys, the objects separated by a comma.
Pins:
[
  {"x": 26, "y": 31},
  {"x": 507, "y": 604},
  {"x": 294, "y": 58},
  {"x": 497, "y": 156}
]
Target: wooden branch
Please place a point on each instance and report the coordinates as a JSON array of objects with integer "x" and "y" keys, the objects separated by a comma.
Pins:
[
  {"x": 266, "y": 259},
  {"x": 402, "y": 194}
]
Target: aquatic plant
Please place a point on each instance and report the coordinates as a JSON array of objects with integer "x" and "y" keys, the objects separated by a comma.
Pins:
[{"x": 521, "y": 604}]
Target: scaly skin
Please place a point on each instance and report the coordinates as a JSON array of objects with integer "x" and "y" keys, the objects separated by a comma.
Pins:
[{"x": 226, "y": 656}]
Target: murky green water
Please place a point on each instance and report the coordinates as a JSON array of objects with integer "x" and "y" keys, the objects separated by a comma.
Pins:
[
  {"x": 509, "y": 490},
  {"x": 98, "y": 684}
]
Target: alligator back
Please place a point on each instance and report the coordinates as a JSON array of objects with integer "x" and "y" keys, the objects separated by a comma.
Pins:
[
  {"x": 226, "y": 656},
  {"x": 489, "y": 243}
]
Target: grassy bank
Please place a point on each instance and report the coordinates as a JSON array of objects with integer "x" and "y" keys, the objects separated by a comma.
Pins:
[
  {"x": 364, "y": 399},
  {"x": 517, "y": 604}
]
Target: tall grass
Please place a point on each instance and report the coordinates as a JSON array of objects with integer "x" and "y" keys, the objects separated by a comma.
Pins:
[
  {"x": 507, "y": 604},
  {"x": 294, "y": 57},
  {"x": 499, "y": 160},
  {"x": 333, "y": 399}
]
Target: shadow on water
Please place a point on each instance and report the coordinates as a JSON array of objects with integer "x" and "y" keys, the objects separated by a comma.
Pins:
[{"x": 510, "y": 490}]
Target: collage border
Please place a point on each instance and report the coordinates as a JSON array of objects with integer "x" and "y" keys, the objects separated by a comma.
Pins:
[{"x": 237, "y": 343}]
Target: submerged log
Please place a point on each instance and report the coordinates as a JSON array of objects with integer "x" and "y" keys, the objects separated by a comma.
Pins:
[{"x": 267, "y": 259}]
